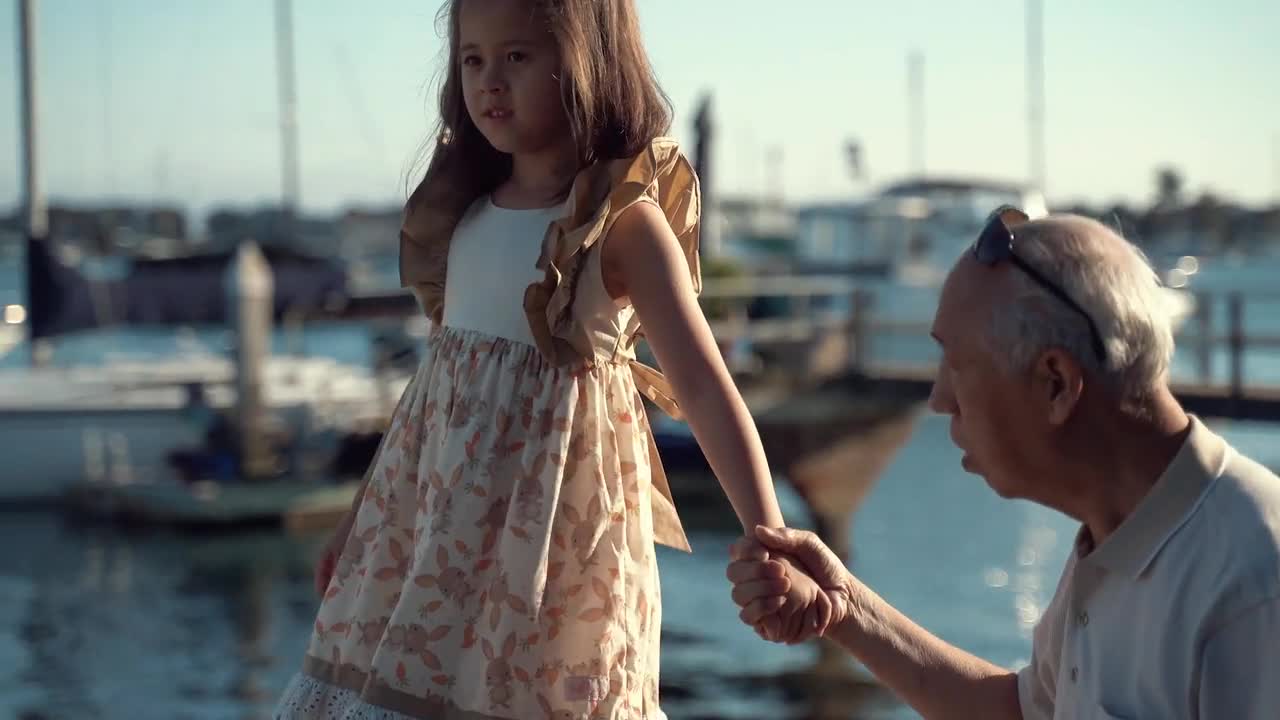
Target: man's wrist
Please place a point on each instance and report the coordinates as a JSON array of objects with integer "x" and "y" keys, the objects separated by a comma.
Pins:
[{"x": 846, "y": 599}]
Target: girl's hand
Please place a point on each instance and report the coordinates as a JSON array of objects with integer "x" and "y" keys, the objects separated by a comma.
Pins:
[
  {"x": 786, "y": 605},
  {"x": 332, "y": 549},
  {"x": 805, "y": 611}
]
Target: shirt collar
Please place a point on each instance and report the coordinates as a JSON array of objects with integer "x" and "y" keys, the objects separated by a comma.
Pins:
[{"x": 1134, "y": 545}]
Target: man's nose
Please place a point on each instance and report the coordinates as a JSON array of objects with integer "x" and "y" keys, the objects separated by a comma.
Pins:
[{"x": 941, "y": 399}]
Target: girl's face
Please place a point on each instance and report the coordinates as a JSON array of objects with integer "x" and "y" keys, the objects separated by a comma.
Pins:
[{"x": 510, "y": 75}]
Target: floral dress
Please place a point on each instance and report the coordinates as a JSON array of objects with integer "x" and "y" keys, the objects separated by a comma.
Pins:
[{"x": 501, "y": 563}]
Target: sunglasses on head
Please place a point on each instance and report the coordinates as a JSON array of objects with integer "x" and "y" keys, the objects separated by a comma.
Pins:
[{"x": 995, "y": 245}]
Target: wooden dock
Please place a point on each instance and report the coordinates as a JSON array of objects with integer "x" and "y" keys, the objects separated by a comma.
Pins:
[
  {"x": 831, "y": 418},
  {"x": 827, "y": 346},
  {"x": 1234, "y": 398},
  {"x": 1205, "y": 400},
  {"x": 298, "y": 506}
]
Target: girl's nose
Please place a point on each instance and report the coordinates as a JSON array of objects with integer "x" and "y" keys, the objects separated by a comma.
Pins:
[{"x": 493, "y": 82}]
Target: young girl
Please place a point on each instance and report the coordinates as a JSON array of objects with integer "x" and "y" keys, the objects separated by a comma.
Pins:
[{"x": 500, "y": 561}]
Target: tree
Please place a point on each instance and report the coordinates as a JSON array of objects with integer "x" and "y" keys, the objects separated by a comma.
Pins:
[{"x": 1169, "y": 184}]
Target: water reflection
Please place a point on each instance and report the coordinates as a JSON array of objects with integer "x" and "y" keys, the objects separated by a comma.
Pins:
[
  {"x": 97, "y": 622},
  {"x": 100, "y": 623},
  {"x": 996, "y": 578},
  {"x": 1037, "y": 543}
]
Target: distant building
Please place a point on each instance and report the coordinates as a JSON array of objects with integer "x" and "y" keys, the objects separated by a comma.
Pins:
[
  {"x": 366, "y": 234},
  {"x": 270, "y": 226},
  {"x": 756, "y": 232},
  {"x": 226, "y": 227},
  {"x": 924, "y": 222},
  {"x": 120, "y": 230}
]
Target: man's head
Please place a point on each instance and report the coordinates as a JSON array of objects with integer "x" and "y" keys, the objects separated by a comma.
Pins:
[{"x": 1020, "y": 363}]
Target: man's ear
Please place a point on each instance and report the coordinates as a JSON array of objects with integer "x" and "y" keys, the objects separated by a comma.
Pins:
[{"x": 1057, "y": 384}]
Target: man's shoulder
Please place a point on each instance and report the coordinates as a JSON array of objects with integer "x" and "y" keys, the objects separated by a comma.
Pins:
[
  {"x": 1239, "y": 523},
  {"x": 1239, "y": 465},
  {"x": 1246, "y": 499}
]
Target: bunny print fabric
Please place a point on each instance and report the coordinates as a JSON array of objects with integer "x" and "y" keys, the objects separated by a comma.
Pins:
[{"x": 502, "y": 562}]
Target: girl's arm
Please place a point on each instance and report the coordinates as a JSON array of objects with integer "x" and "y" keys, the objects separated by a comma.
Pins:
[{"x": 643, "y": 260}]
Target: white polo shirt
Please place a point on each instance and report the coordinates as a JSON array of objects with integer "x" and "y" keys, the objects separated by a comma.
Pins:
[{"x": 1177, "y": 613}]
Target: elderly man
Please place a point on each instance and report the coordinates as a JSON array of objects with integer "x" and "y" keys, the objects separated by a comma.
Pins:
[{"x": 1055, "y": 356}]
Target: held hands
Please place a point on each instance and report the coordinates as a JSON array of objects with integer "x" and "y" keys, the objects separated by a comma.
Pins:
[
  {"x": 789, "y": 585},
  {"x": 800, "y": 609}
]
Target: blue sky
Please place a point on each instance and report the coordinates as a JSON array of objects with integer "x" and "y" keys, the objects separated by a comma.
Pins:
[{"x": 176, "y": 99}]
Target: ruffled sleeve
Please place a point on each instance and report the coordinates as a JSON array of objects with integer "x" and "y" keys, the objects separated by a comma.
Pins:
[
  {"x": 425, "y": 233},
  {"x": 660, "y": 175}
]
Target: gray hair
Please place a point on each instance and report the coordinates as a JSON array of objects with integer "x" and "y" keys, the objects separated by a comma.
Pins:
[{"x": 1110, "y": 279}]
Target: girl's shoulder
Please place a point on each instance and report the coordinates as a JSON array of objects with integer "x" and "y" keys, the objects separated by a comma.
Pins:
[{"x": 660, "y": 173}]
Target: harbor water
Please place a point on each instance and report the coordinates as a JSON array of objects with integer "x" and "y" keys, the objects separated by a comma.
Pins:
[{"x": 98, "y": 622}]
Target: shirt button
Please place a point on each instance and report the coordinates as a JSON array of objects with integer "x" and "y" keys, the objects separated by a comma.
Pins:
[
  {"x": 1084, "y": 618},
  {"x": 1075, "y": 674}
]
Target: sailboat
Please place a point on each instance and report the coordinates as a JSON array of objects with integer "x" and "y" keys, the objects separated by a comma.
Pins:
[{"x": 169, "y": 434}]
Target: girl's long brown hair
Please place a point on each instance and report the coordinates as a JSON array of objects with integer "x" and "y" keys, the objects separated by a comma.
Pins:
[{"x": 612, "y": 99}]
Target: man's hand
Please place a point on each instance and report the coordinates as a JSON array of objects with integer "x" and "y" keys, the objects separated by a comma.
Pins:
[
  {"x": 790, "y": 586},
  {"x": 936, "y": 679},
  {"x": 793, "y": 606}
]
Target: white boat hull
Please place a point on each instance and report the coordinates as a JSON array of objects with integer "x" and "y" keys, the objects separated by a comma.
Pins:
[
  {"x": 119, "y": 423},
  {"x": 48, "y": 452}
]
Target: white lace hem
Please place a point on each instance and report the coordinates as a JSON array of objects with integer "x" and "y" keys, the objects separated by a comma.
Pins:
[{"x": 307, "y": 698}]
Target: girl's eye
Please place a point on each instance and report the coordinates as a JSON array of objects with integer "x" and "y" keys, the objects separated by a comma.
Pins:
[
  {"x": 471, "y": 60},
  {"x": 516, "y": 56}
]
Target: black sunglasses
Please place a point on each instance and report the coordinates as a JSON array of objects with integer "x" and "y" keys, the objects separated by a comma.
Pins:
[{"x": 995, "y": 244}]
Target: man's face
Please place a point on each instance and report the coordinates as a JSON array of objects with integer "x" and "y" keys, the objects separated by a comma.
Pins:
[{"x": 993, "y": 417}]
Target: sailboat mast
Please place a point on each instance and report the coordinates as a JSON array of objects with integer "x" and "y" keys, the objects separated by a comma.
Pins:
[
  {"x": 35, "y": 216},
  {"x": 34, "y": 212},
  {"x": 915, "y": 107},
  {"x": 289, "y": 179}
]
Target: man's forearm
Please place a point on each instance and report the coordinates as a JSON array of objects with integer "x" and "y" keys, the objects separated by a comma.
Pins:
[{"x": 938, "y": 680}]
